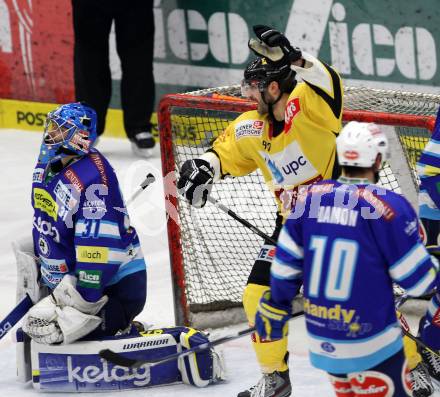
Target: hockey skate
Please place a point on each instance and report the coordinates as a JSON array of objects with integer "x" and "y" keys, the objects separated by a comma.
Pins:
[
  {"x": 276, "y": 384},
  {"x": 421, "y": 381},
  {"x": 432, "y": 363}
]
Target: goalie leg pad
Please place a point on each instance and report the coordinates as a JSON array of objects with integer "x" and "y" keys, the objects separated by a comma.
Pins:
[
  {"x": 199, "y": 369},
  {"x": 23, "y": 355},
  {"x": 77, "y": 367}
]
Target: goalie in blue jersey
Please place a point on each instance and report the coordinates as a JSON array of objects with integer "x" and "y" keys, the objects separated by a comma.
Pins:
[
  {"x": 88, "y": 254},
  {"x": 347, "y": 241},
  {"x": 85, "y": 272}
]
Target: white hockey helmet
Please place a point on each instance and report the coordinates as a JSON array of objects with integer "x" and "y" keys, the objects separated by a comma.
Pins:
[{"x": 358, "y": 145}]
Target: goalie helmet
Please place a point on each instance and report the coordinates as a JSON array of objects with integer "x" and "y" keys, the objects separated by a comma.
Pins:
[
  {"x": 358, "y": 145},
  {"x": 259, "y": 73},
  {"x": 69, "y": 130}
]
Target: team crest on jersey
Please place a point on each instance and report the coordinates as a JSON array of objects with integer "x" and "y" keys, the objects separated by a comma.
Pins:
[
  {"x": 292, "y": 109},
  {"x": 43, "y": 246},
  {"x": 250, "y": 128}
]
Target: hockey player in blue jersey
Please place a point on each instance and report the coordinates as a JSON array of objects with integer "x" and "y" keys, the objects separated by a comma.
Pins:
[
  {"x": 428, "y": 169},
  {"x": 346, "y": 241},
  {"x": 88, "y": 254}
]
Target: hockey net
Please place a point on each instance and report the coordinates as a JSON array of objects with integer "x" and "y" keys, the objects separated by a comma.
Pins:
[{"x": 212, "y": 254}]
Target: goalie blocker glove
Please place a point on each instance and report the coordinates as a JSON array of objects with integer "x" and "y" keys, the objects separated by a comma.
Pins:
[
  {"x": 273, "y": 45},
  {"x": 195, "y": 182}
]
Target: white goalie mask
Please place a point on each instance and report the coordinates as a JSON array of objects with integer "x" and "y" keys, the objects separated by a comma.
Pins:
[{"x": 358, "y": 145}]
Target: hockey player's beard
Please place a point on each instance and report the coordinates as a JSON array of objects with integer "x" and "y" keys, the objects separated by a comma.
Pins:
[{"x": 262, "y": 108}]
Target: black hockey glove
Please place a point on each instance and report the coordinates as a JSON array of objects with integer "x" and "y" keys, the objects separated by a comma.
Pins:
[
  {"x": 195, "y": 182},
  {"x": 273, "y": 45}
]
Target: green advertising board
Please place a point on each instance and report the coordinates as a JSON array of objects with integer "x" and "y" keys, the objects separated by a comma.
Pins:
[{"x": 386, "y": 44}]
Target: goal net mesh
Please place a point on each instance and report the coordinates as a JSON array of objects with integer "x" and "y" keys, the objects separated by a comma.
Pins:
[{"x": 211, "y": 253}]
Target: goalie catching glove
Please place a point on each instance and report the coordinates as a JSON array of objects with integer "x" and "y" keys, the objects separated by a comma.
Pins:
[
  {"x": 273, "y": 46},
  {"x": 195, "y": 182},
  {"x": 271, "y": 318},
  {"x": 64, "y": 316}
]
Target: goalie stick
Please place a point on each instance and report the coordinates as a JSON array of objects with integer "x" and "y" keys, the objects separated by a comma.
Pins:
[
  {"x": 26, "y": 303},
  {"x": 119, "y": 359},
  {"x": 238, "y": 218},
  {"x": 15, "y": 315}
]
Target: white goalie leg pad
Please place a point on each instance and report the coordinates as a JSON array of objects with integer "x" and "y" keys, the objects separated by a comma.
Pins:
[
  {"x": 199, "y": 369},
  {"x": 66, "y": 295},
  {"x": 23, "y": 356},
  {"x": 27, "y": 270}
]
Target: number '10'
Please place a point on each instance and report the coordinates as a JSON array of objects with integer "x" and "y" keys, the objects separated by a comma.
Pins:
[{"x": 342, "y": 264}]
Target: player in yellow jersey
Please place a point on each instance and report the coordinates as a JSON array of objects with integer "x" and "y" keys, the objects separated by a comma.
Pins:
[{"x": 291, "y": 139}]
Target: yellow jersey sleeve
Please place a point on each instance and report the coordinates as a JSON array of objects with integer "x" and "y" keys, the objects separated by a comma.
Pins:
[
  {"x": 321, "y": 93},
  {"x": 231, "y": 151}
]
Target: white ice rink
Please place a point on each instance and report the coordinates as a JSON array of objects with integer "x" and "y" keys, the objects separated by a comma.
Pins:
[{"x": 18, "y": 153}]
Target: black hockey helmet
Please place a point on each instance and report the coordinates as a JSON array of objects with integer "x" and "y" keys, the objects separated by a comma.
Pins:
[{"x": 259, "y": 72}]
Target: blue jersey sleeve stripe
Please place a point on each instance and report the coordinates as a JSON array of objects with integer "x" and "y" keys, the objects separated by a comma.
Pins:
[
  {"x": 292, "y": 263},
  {"x": 289, "y": 245},
  {"x": 432, "y": 147},
  {"x": 409, "y": 262},
  {"x": 284, "y": 272},
  {"x": 434, "y": 305},
  {"x": 134, "y": 266},
  {"x": 426, "y": 284},
  {"x": 429, "y": 213}
]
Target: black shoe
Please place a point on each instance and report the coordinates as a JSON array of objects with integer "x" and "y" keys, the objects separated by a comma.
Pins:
[
  {"x": 142, "y": 143},
  {"x": 276, "y": 384},
  {"x": 421, "y": 382}
]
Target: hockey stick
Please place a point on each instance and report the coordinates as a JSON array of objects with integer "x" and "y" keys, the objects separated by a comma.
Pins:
[
  {"x": 147, "y": 181},
  {"x": 15, "y": 315},
  {"x": 407, "y": 333},
  {"x": 238, "y": 218},
  {"x": 419, "y": 342},
  {"x": 118, "y": 359}
]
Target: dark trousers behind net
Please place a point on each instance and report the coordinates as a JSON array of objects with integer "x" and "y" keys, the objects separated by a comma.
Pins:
[{"x": 134, "y": 28}]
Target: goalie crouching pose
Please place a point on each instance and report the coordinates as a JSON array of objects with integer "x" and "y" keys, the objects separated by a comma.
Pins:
[
  {"x": 346, "y": 242},
  {"x": 84, "y": 269}
]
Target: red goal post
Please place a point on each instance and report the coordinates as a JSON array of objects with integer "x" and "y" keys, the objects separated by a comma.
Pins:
[{"x": 211, "y": 255}]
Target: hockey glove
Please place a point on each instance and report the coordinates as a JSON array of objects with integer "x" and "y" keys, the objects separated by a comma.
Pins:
[
  {"x": 195, "y": 182},
  {"x": 64, "y": 316},
  {"x": 273, "y": 45},
  {"x": 271, "y": 318}
]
